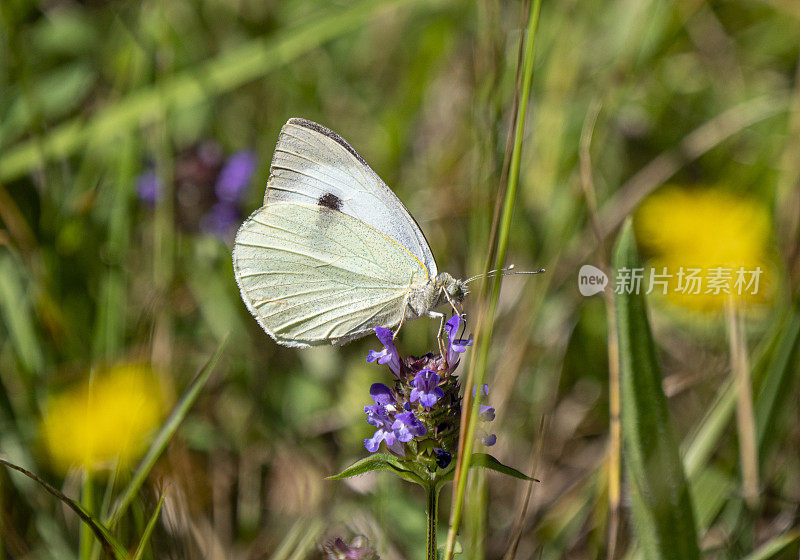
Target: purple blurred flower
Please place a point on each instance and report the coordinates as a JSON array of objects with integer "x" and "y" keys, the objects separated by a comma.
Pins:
[
  {"x": 389, "y": 354},
  {"x": 358, "y": 549},
  {"x": 221, "y": 220},
  {"x": 426, "y": 389},
  {"x": 486, "y": 413},
  {"x": 148, "y": 187},
  {"x": 235, "y": 176},
  {"x": 484, "y": 390}
]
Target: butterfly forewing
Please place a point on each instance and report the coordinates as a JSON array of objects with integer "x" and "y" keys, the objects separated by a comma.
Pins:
[
  {"x": 313, "y": 165},
  {"x": 312, "y": 275}
]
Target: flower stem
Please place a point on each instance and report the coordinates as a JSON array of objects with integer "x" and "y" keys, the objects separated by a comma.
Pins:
[{"x": 432, "y": 499}]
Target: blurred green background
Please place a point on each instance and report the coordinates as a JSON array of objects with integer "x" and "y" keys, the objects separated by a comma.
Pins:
[{"x": 95, "y": 279}]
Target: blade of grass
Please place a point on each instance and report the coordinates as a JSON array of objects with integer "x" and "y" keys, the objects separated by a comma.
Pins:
[
  {"x": 745, "y": 421},
  {"x": 163, "y": 437},
  {"x": 614, "y": 425},
  {"x": 111, "y": 546},
  {"x": 110, "y": 321},
  {"x": 17, "y": 312},
  {"x": 662, "y": 510},
  {"x": 480, "y": 358},
  {"x": 775, "y": 387},
  {"x": 782, "y": 546},
  {"x": 227, "y": 71},
  {"x": 148, "y": 530},
  {"x": 87, "y": 502}
]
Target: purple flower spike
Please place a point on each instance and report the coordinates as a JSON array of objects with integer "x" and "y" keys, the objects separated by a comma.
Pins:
[
  {"x": 389, "y": 354},
  {"x": 148, "y": 187},
  {"x": 455, "y": 347},
  {"x": 406, "y": 426},
  {"x": 235, "y": 176},
  {"x": 426, "y": 389}
]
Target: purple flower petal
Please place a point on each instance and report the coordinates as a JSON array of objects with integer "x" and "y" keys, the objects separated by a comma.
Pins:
[
  {"x": 372, "y": 444},
  {"x": 426, "y": 389},
  {"x": 389, "y": 355},
  {"x": 486, "y": 413},
  {"x": 377, "y": 416},
  {"x": 455, "y": 347},
  {"x": 489, "y": 440},
  {"x": 381, "y": 394},
  {"x": 235, "y": 176},
  {"x": 407, "y": 426}
]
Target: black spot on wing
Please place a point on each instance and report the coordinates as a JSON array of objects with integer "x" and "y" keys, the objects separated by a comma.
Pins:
[{"x": 330, "y": 200}]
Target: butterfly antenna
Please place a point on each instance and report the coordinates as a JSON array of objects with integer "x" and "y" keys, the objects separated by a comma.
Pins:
[{"x": 507, "y": 271}]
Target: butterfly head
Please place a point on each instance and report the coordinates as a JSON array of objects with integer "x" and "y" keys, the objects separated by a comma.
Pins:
[{"x": 455, "y": 289}]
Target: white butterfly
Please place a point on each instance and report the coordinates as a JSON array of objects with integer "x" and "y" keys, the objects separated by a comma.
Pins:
[{"x": 333, "y": 253}]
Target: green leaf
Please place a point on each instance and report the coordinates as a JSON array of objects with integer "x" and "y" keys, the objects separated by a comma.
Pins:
[
  {"x": 111, "y": 546},
  {"x": 486, "y": 461},
  {"x": 378, "y": 461},
  {"x": 662, "y": 510},
  {"x": 163, "y": 437}
]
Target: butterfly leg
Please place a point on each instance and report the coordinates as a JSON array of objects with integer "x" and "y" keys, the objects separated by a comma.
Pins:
[
  {"x": 402, "y": 319},
  {"x": 451, "y": 302},
  {"x": 441, "y": 317}
]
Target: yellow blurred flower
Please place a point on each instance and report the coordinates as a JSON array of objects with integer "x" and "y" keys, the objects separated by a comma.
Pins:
[
  {"x": 106, "y": 423},
  {"x": 706, "y": 246}
]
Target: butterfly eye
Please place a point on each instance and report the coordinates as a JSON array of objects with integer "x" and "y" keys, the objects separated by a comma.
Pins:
[{"x": 457, "y": 291}]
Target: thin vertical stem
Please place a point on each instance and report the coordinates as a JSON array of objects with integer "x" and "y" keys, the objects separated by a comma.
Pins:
[
  {"x": 615, "y": 428},
  {"x": 2, "y": 518},
  {"x": 479, "y": 359},
  {"x": 745, "y": 417},
  {"x": 615, "y": 425},
  {"x": 432, "y": 495}
]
